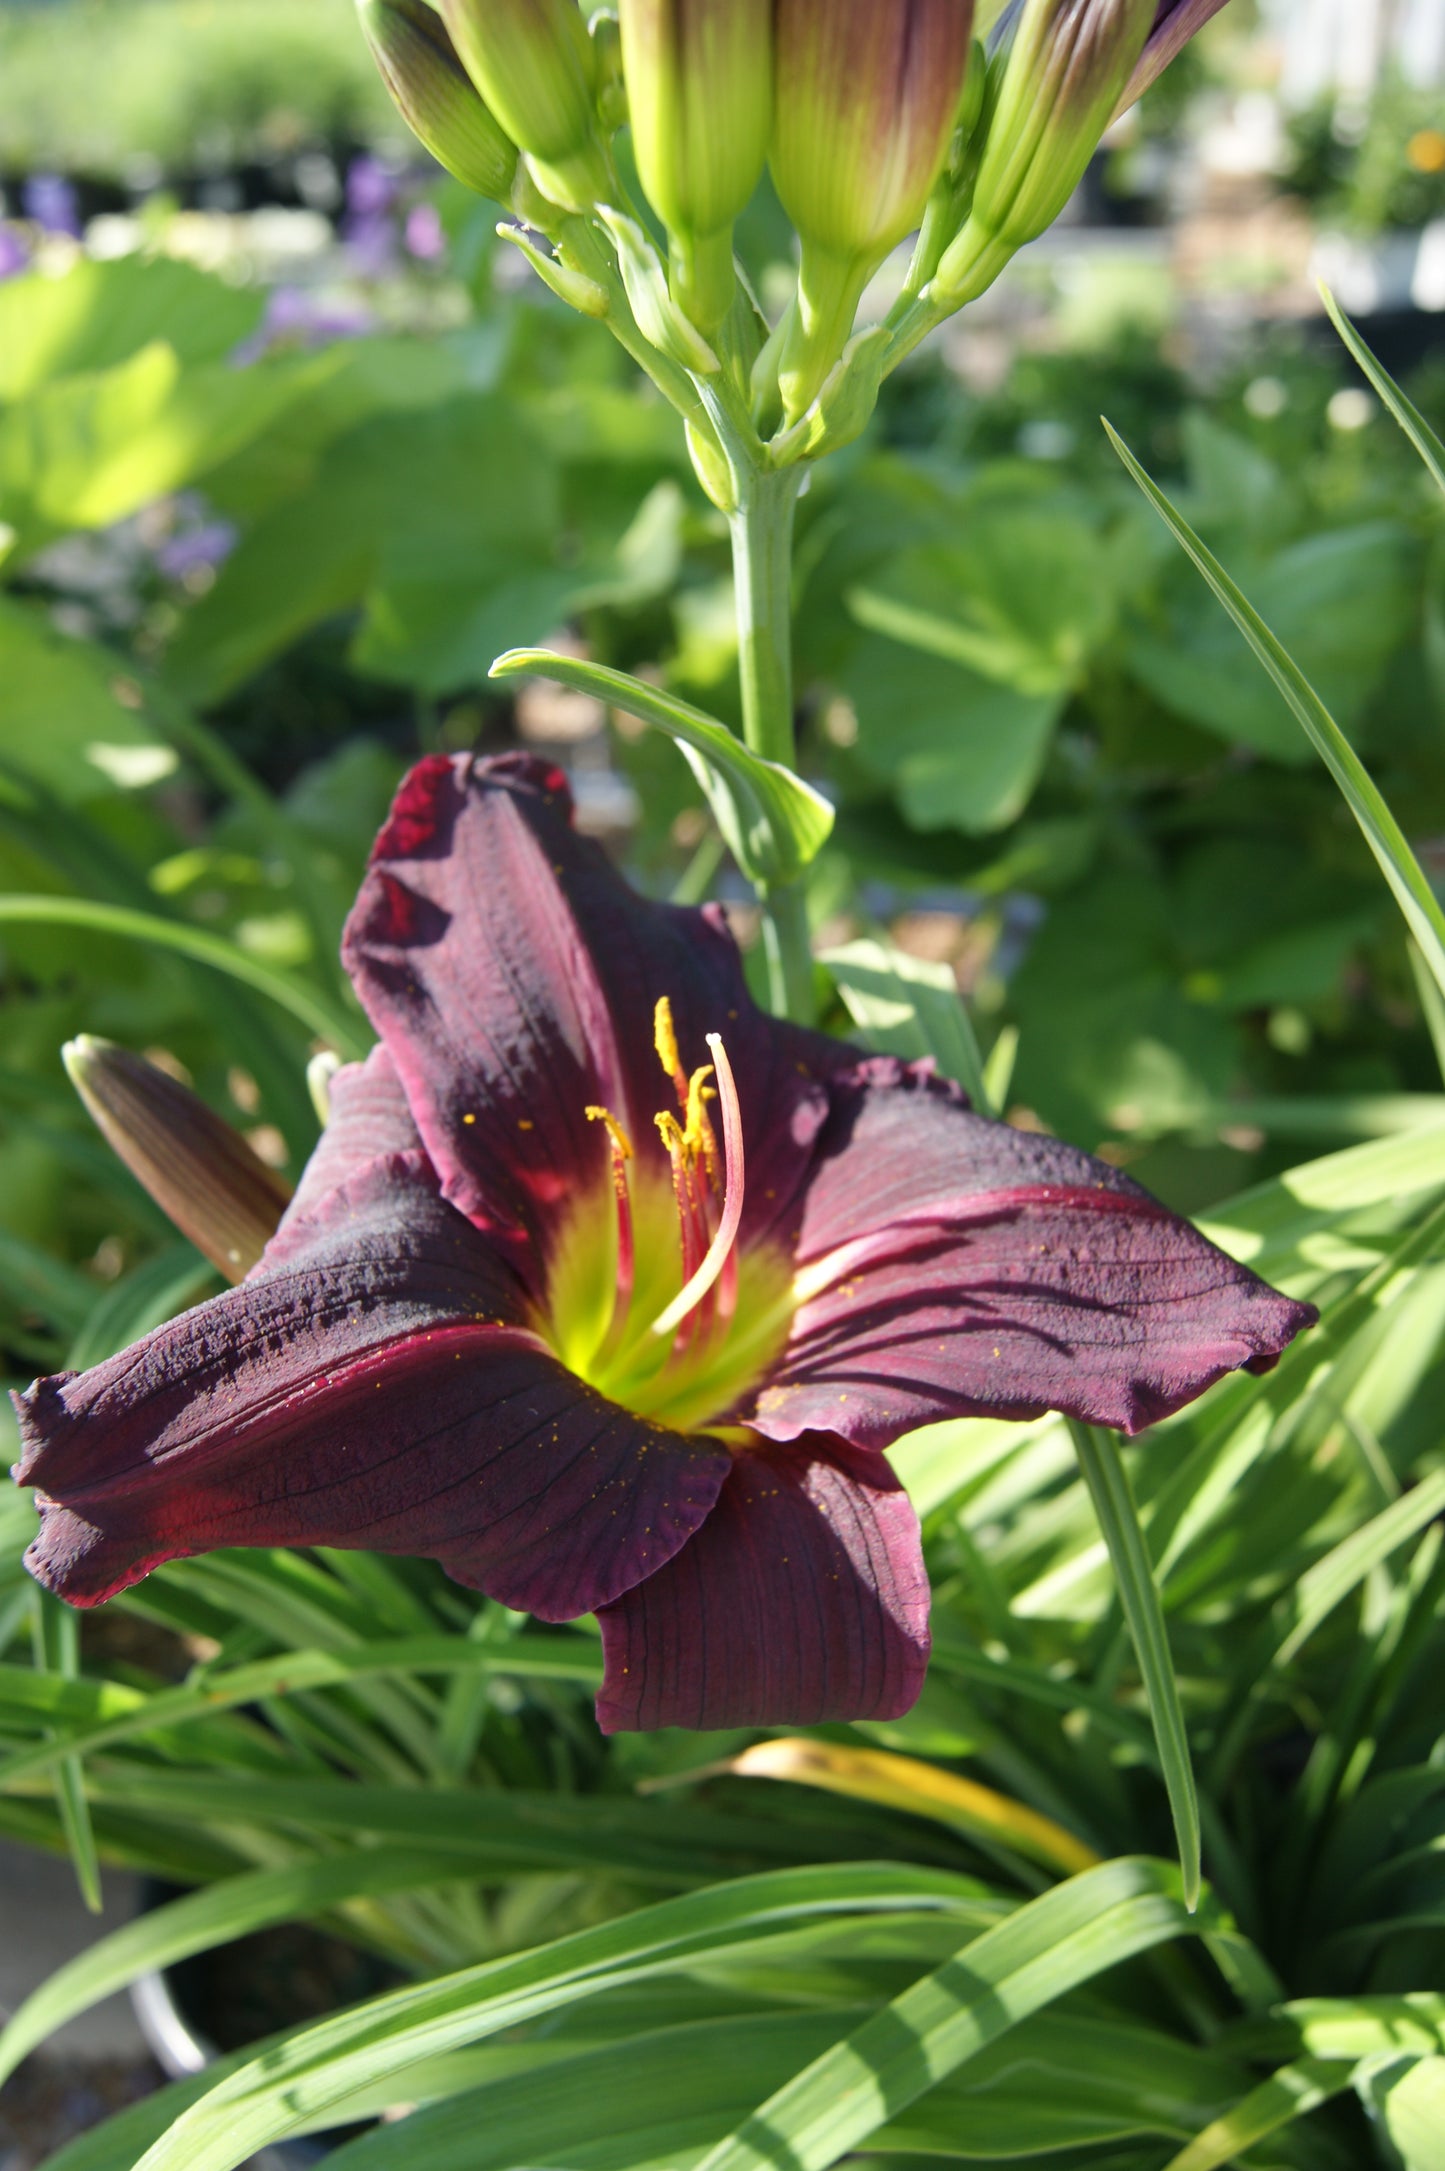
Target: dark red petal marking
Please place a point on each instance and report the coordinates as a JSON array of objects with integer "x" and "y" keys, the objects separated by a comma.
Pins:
[
  {"x": 381, "y": 1391},
  {"x": 972, "y": 1269},
  {"x": 802, "y": 1598}
]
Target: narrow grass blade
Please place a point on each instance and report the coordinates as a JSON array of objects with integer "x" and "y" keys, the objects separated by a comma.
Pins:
[
  {"x": 57, "y": 1650},
  {"x": 774, "y": 823},
  {"x": 1401, "y": 869},
  {"x": 1409, "y": 417},
  {"x": 1291, "y": 2093},
  {"x": 1038, "y": 1955},
  {"x": 306, "y": 1003},
  {"x": 536, "y": 1657},
  {"x": 1118, "y": 1519},
  {"x": 1432, "y": 1004}
]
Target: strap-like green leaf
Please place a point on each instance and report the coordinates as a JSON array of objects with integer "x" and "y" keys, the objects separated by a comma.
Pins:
[
  {"x": 302, "y": 1000},
  {"x": 1118, "y": 1518},
  {"x": 1409, "y": 417},
  {"x": 1288, "y": 2094},
  {"x": 1046, "y": 1949},
  {"x": 542, "y": 1658},
  {"x": 774, "y": 823},
  {"x": 1400, "y": 867},
  {"x": 295, "y": 2084}
]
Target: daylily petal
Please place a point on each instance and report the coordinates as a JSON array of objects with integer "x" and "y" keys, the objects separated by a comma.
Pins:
[
  {"x": 514, "y": 977},
  {"x": 948, "y": 1266},
  {"x": 802, "y": 1598},
  {"x": 381, "y": 1390},
  {"x": 369, "y": 1121}
]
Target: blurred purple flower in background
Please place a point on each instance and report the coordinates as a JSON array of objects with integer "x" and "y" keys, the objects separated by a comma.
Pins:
[
  {"x": 298, "y": 316},
  {"x": 51, "y": 201},
  {"x": 369, "y": 228},
  {"x": 14, "y": 256},
  {"x": 196, "y": 549},
  {"x": 425, "y": 235}
]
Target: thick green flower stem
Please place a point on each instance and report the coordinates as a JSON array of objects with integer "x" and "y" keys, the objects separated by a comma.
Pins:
[
  {"x": 762, "y": 539},
  {"x": 830, "y": 288}
]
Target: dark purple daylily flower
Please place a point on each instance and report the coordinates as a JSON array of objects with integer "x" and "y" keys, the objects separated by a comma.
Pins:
[{"x": 607, "y": 1291}]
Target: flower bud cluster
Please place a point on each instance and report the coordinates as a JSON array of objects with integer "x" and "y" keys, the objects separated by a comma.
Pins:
[{"x": 874, "y": 116}]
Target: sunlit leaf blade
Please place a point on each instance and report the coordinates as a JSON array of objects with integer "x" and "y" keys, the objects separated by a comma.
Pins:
[
  {"x": 57, "y": 1649},
  {"x": 1118, "y": 1519},
  {"x": 304, "y": 1001},
  {"x": 1401, "y": 869},
  {"x": 909, "y": 1007},
  {"x": 1043, "y": 1951},
  {"x": 774, "y": 823},
  {"x": 297, "y": 2083},
  {"x": 1290, "y": 2093},
  {"x": 1409, "y": 417}
]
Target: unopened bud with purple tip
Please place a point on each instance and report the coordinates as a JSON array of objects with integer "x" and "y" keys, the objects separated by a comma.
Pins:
[
  {"x": 1175, "y": 23},
  {"x": 200, "y": 1172},
  {"x": 866, "y": 99},
  {"x": 700, "y": 98},
  {"x": 534, "y": 64},
  {"x": 1060, "y": 77},
  {"x": 436, "y": 97}
]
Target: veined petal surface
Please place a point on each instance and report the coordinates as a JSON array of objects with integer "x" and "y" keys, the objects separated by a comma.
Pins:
[
  {"x": 802, "y": 1598},
  {"x": 378, "y": 1388},
  {"x": 949, "y": 1266}
]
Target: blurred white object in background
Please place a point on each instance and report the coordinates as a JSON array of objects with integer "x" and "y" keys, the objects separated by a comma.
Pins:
[{"x": 1344, "y": 48}]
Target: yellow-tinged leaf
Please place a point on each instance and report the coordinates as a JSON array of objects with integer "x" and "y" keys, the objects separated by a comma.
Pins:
[{"x": 904, "y": 1782}]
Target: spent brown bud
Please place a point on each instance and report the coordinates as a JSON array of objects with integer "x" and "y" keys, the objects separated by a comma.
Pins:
[{"x": 199, "y": 1171}]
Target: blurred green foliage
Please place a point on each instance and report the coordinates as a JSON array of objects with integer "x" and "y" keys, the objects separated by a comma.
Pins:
[{"x": 119, "y": 88}]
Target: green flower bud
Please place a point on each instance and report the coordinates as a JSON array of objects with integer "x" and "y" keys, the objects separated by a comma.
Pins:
[
  {"x": 534, "y": 64},
  {"x": 199, "y": 1171},
  {"x": 866, "y": 100},
  {"x": 700, "y": 98},
  {"x": 1060, "y": 82},
  {"x": 435, "y": 96}
]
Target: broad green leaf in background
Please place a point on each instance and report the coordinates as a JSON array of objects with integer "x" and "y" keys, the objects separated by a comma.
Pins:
[
  {"x": 73, "y": 718},
  {"x": 1340, "y": 602},
  {"x": 959, "y": 750},
  {"x": 97, "y": 315},
  {"x": 1381, "y": 831},
  {"x": 773, "y": 822}
]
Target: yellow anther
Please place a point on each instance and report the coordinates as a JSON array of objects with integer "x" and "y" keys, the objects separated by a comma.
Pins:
[
  {"x": 664, "y": 1037},
  {"x": 673, "y": 1137},
  {"x": 697, "y": 1129},
  {"x": 621, "y": 1143}
]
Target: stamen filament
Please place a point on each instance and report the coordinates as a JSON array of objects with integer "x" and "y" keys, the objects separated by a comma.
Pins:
[
  {"x": 621, "y": 1146},
  {"x": 720, "y": 1249}
]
